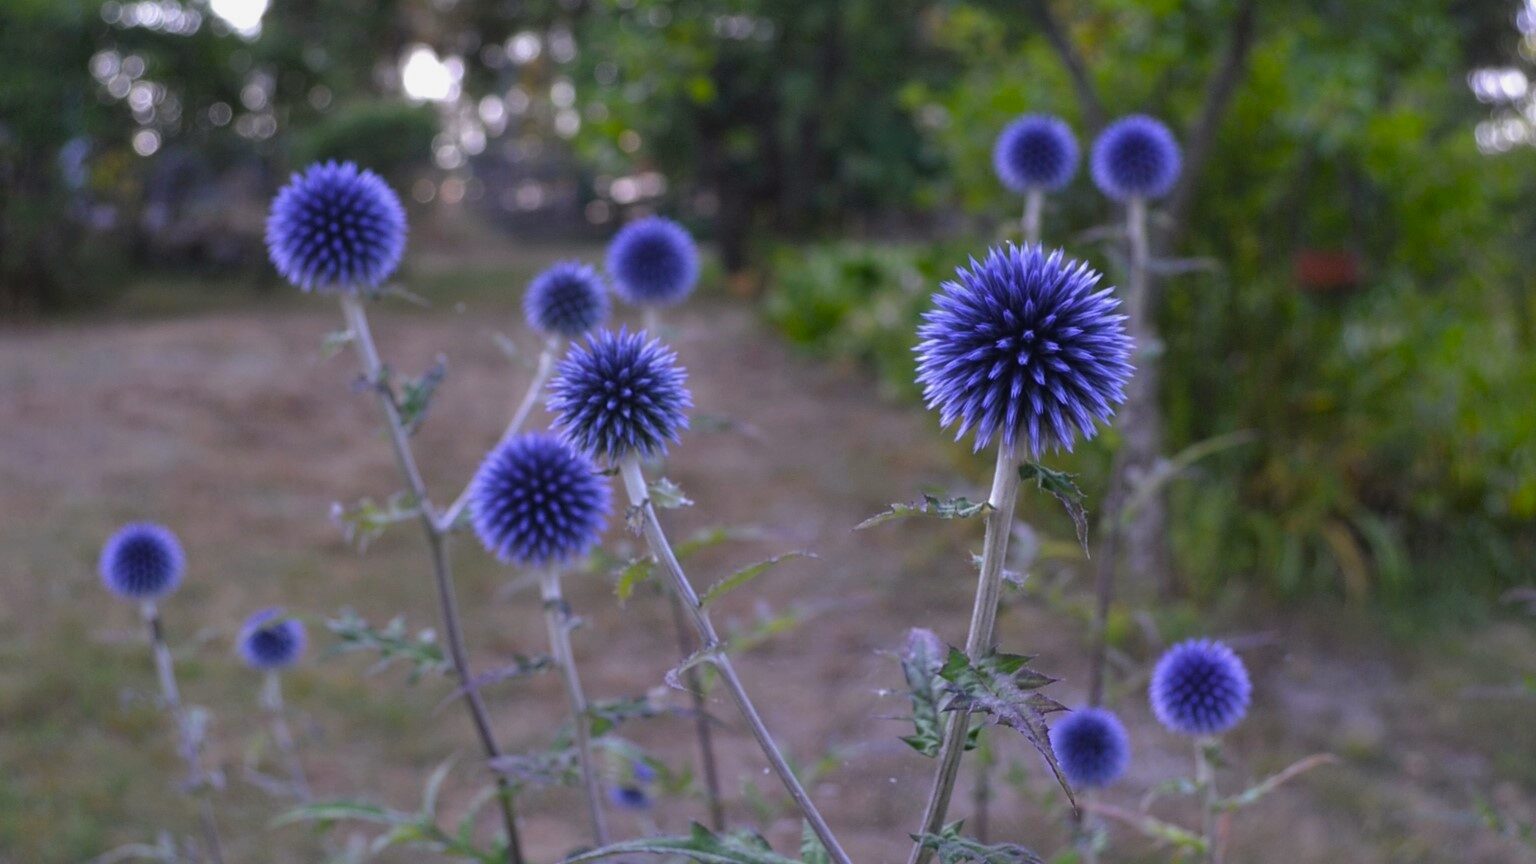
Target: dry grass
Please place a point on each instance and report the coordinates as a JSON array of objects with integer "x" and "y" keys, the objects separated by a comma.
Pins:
[{"x": 229, "y": 424}]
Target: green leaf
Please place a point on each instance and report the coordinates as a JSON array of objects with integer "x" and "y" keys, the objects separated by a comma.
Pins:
[
  {"x": 605, "y": 715},
  {"x": 335, "y": 342},
  {"x": 1254, "y": 793},
  {"x": 953, "y": 848},
  {"x": 343, "y": 811},
  {"x": 416, "y": 395},
  {"x": 921, "y": 659},
  {"x": 811, "y": 849},
  {"x": 1063, "y": 487},
  {"x": 941, "y": 508},
  {"x": 1167, "y": 470},
  {"x": 666, "y": 495},
  {"x": 701, "y": 845},
  {"x": 674, "y": 675},
  {"x": 393, "y": 644},
  {"x": 1004, "y": 688},
  {"x": 365, "y": 521},
  {"x": 634, "y": 574},
  {"x": 747, "y": 574}
]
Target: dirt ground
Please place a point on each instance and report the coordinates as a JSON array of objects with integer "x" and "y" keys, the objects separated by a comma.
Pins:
[{"x": 231, "y": 425}]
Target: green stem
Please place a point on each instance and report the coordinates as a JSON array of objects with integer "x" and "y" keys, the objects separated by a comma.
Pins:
[
  {"x": 557, "y": 618},
  {"x": 979, "y": 641},
  {"x": 661, "y": 549}
]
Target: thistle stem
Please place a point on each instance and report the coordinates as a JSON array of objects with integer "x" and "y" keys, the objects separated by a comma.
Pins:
[
  {"x": 702, "y": 730},
  {"x": 557, "y": 617},
  {"x": 373, "y": 370},
  {"x": 1034, "y": 201},
  {"x": 541, "y": 373},
  {"x": 661, "y": 549},
  {"x": 989, "y": 586},
  {"x": 187, "y": 739},
  {"x": 1205, "y": 780},
  {"x": 282, "y": 737}
]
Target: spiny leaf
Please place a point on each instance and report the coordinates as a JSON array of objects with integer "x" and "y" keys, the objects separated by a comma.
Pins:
[
  {"x": 747, "y": 574},
  {"x": 392, "y": 643},
  {"x": 365, "y": 521},
  {"x": 416, "y": 395},
  {"x": 811, "y": 849},
  {"x": 921, "y": 659},
  {"x": 666, "y": 495},
  {"x": 606, "y": 714},
  {"x": 701, "y": 845},
  {"x": 1003, "y": 687},
  {"x": 1063, "y": 487},
  {"x": 674, "y": 675},
  {"x": 931, "y": 505},
  {"x": 953, "y": 848}
]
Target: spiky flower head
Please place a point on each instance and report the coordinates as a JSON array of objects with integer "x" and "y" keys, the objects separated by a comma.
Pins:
[
  {"x": 336, "y": 227},
  {"x": 1036, "y": 151},
  {"x": 271, "y": 640},
  {"x": 566, "y": 300},
  {"x": 535, "y": 501},
  {"x": 619, "y": 394},
  {"x": 1135, "y": 156},
  {"x": 1022, "y": 347},
  {"x": 1200, "y": 687},
  {"x": 653, "y": 262},
  {"x": 631, "y": 792},
  {"x": 142, "y": 561},
  {"x": 1092, "y": 747}
]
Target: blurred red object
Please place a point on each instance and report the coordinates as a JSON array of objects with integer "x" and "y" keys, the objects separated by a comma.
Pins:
[{"x": 1326, "y": 270}]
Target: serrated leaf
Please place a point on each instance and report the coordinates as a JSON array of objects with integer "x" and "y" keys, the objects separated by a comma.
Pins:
[
  {"x": 931, "y": 505},
  {"x": 392, "y": 643},
  {"x": 951, "y": 847},
  {"x": 674, "y": 677},
  {"x": 605, "y": 715},
  {"x": 747, "y": 574},
  {"x": 634, "y": 574},
  {"x": 1063, "y": 487},
  {"x": 921, "y": 659},
  {"x": 701, "y": 845},
  {"x": 1004, "y": 688},
  {"x": 666, "y": 495},
  {"x": 811, "y": 849},
  {"x": 416, "y": 395}
]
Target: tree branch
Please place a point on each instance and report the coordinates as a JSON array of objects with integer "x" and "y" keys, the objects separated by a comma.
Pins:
[{"x": 1089, "y": 103}]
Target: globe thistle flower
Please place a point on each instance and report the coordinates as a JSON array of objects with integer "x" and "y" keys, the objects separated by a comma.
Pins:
[
  {"x": 1092, "y": 747},
  {"x": 142, "y": 561},
  {"x": 271, "y": 640},
  {"x": 1021, "y": 347},
  {"x": 1036, "y": 151},
  {"x": 336, "y": 227},
  {"x": 535, "y": 501},
  {"x": 620, "y": 394},
  {"x": 1200, "y": 687},
  {"x": 566, "y": 300},
  {"x": 629, "y": 798},
  {"x": 653, "y": 262},
  {"x": 1135, "y": 156}
]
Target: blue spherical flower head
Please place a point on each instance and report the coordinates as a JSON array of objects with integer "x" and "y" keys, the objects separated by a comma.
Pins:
[
  {"x": 1035, "y": 151},
  {"x": 1022, "y": 347},
  {"x": 1135, "y": 156},
  {"x": 566, "y": 300},
  {"x": 1092, "y": 747},
  {"x": 1200, "y": 687},
  {"x": 535, "y": 501},
  {"x": 653, "y": 262},
  {"x": 142, "y": 561},
  {"x": 271, "y": 640},
  {"x": 336, "y": 227},
  {"x": 629, "y": 798},
  {"x": 620, "y": 394}
]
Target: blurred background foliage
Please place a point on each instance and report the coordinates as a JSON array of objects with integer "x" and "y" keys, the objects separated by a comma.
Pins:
[{"x": 1365, "y": 306}]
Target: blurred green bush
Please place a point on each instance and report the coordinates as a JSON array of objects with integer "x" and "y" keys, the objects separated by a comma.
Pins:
[{"x": 1394, "y": 455}]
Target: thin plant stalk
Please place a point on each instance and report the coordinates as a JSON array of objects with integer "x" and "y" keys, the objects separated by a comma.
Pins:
[
  {"x": 661, "y": 549},
  {"x": 702, "y": 730},
  {"x": 979, "y": 641},
  {"x": 1206, "y": 750},
  {"x": 1034, "y": 203},
  {"x": 557, "y": 617},
  {"x": 373, "y": 370},
  {"x": 1119, "y": 482},
  {"x": 188, "y": 745},
  {"x": 282, "y": 736},
  {"x": 541, "y": 373}
]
